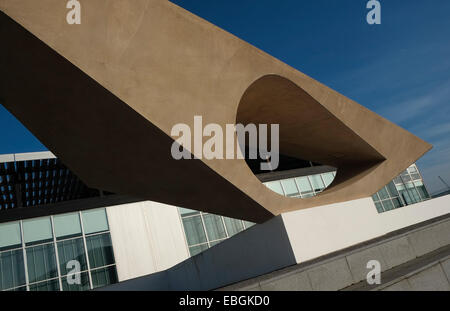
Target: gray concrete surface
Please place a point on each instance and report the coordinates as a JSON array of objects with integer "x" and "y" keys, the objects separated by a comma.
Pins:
[
  {"x": 443, "y": 235},
  {"x": 416, "y": 258},
  {"x": 397, "y": 252},
  {"x": 403, "y": 285},
  {"x": 358, "y": 262},
  {"x": 446, "y": 266},
  {"x": 430, "y": 279},
  {"x": 333, "y": 275},
  {"x": 424, "y": 241},
  {"x": 293, "y": 282}
]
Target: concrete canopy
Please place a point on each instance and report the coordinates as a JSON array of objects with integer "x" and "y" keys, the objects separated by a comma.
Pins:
[{"x": 104, "y": 95}]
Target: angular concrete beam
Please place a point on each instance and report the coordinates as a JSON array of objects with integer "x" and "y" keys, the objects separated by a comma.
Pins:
[{"x": 105, "y": 94}]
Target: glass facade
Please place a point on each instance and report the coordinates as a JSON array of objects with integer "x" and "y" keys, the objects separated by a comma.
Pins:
[
  {"x": 38, "y": 254},
  {"x": 204, "y": 230},
  {"x": 387, "y": 198},
  {"x": 406, "y": 189},
  {"x": 302, "y": 187}
]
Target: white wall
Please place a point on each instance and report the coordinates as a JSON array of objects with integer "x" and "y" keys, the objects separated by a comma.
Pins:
[
  {"x": 283, "y": 241},
  {"x": 147, "y": 237},
  {"x": 258, "y": 250},
  {"x": 414, "y": 214},
  {"x": 322, "y": 230}
]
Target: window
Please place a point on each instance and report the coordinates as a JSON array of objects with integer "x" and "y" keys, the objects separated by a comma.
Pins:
[
  {"x": 84, "y": 283},
  {"x": 214, "y": 227},
  {"x": 393, "y": 192},
  {"x": 405, "y": 177},
  {"x": 47, "y": 241},
  {"x": 328, "y": 178},
  {"x": 204, "y": 230},
  {"x": 51, "y": 285},
  {"x": 397, "y": 202},
  {"x": 275, "y": 186},
  {"x": 413, "y": 192},
  {"x": 388, "y": 205},
  {"x": 401, "y": 191},
  {"x": 415, "y": 177},
  {"x": 405, "y": 195},
  {"x": 317, "y": 183},
  {"x": 37, "y": 231},
  {"x": 290, "y": 188},
  {"x": 95, "y": 221},
  {"x": 412, "y": 169},
  {"x": 248, "y": 224},
  {"x": 41, "y": 262},
  {"x": 387, "y": 198},
  {"x": 398, "y": 180},
  {"x": 188, "y": 212},
  {"x": 233, "y": 226},
  {"x": 10, "y": 236},
  {"x": 422, "y": 190},
  {"x": 69, "y": 250},
  {"x": 100, "y": 250},
  {"x": 383, "y": 194},
  {"x": 195, "y": 232},
  {"x": 67, "y": 226},
  {"x": 104, "y": 276},
  {"x": 304, "y": 185},
  {"x": 12, "y": 269},
  {"x": 379, "y": 207}
]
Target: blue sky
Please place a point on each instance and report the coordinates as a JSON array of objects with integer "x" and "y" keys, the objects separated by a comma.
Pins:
[{"x": 399, "y": 69}]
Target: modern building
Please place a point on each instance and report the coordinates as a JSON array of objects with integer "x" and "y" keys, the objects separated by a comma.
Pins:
[
  {"x": 205, "y": 230},
  {"x": 38, "y": 239},
  {"x": 118, "y": 209}
]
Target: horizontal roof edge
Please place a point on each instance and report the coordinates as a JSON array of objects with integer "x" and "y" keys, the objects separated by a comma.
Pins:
[{"x": 26, "y": 156}]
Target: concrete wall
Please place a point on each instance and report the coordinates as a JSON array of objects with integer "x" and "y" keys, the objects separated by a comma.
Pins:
[
  {"x": 297, "y": 237},
  {"x": 256, "y": 251},
  {"x": 433, "y": 278},
  {"x": 326, "y": 229},
  {"x": 147, "y": 237},
  {"x": 147, "y": 65},
  {"x": 418, "y": 259}
]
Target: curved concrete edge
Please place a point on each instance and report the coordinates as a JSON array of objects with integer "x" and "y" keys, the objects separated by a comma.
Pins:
[{"x": 116, "y": 84}]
